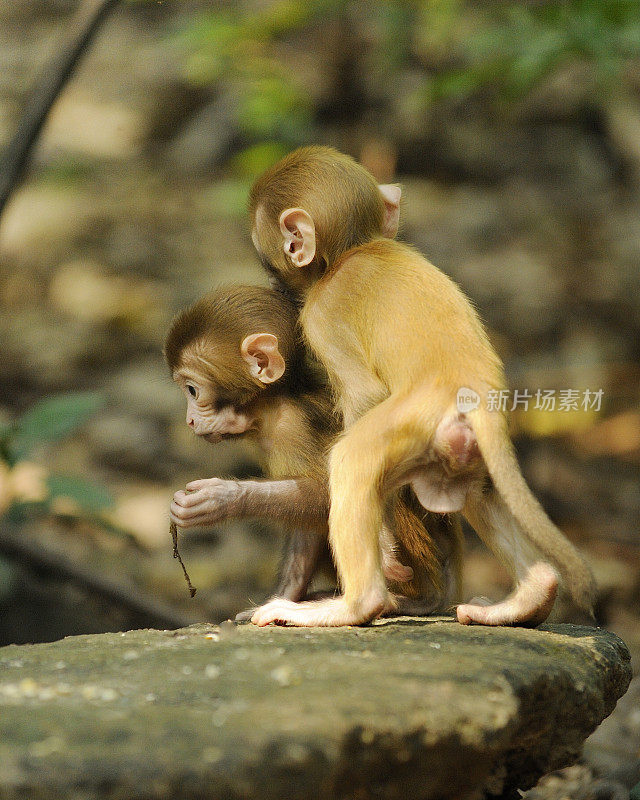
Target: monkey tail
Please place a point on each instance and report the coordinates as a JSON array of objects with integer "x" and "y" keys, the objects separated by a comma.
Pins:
[{"x": 497, "y": 451}]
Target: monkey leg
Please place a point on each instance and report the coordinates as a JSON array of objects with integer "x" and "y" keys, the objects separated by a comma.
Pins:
[
  {"x": 300, "y": 560},
  {"x": 364, "y": 464},
  {"x": 536, "y": 580}
]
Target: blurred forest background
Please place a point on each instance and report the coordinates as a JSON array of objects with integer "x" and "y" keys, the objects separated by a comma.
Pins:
[{"x": 514, "y": 128}]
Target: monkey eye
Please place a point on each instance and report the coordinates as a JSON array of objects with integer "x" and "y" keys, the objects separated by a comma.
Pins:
[{"x": 192, "y": 390}]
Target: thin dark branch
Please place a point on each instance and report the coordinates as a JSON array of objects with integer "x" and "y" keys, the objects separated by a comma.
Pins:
[
  {"x": 43, "y": 561},
  {"x": 82, "y": 29}
]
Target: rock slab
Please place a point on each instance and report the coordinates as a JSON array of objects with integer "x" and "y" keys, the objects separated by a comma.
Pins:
[{"x": 405, "y": 708}]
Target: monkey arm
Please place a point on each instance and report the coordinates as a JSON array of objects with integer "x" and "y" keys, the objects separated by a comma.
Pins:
[
  {"x": 301, "y": 504},
  {"x": 298, "y": 503},
  {"x": 294, "y": 502}
]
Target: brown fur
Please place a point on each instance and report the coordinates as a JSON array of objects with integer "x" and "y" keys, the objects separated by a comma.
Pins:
[
  {"x": 280, "y": 188},
  {"x": 213, "y": 327}
]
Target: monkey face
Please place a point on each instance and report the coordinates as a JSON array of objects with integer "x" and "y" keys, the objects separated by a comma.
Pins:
[
  {"x": 209, "y": 414},
  {"x": 218, "y": 409}
]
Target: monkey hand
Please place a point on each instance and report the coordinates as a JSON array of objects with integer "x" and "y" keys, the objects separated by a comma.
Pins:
[{"x": 206, "y": 502}]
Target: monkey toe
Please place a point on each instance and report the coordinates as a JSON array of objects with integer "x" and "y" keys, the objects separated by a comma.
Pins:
[
  {"x": 324, "y": 613},
  {"x": 277, "y": 611}
]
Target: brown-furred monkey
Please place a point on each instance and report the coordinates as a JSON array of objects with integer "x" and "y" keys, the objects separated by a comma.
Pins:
[
  {"x": 238, "y": 357},
  {"x": 399, "y": 341}
]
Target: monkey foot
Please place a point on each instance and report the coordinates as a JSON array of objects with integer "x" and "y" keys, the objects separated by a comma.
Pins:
[
  {"x": 245, "y": 616},
  {"x": 530, "y": 604},
  {"x": 316, "y": 614}
]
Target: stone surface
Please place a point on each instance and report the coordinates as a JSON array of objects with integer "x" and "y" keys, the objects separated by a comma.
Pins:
[
  {"x": 613, "y": 748},
  {"x": 401, "y": 709},
  {"x": 577, "y": 783}
]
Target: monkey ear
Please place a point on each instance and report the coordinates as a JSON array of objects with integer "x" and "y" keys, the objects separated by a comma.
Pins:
[
  {"x": 260, "y": 351},
  {"x": 391, "y": 194},
  {"x": 299, "y": 233}
]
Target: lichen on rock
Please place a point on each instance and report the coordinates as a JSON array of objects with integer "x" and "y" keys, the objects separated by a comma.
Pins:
[{"x": 402, "y": 708}]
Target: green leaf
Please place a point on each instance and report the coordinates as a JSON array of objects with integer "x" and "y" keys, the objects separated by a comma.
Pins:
[
  {"x": 91, "y": 497},
  {"x": 54, "y": 418}
]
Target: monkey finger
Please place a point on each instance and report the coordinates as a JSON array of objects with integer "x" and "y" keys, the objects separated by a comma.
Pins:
[
  {"x": 179, "y": 497},
  {"x": 178, "y": 520},
  {"x": 182, "y": 516},
  {"x": 202, "y": 483},
  {"x": 187, "y": 499},
  {"x": 183, "y": 524}
]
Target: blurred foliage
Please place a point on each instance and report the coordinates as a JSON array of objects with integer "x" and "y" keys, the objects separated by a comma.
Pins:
[
  {"x": 26, "y": 487},
  {"x": 237, "y": 46},
  {"x": 460, "y": 47},
  {"x": 515, "y": 46}
]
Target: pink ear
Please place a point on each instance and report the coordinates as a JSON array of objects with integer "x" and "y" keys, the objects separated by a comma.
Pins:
[
  {"x": 260, "y": 351},
  {"x": 299, "y": 236},
  {"x": 391, "y": 195}
]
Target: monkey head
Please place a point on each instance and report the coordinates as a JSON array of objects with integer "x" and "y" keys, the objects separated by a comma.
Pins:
[
  {"x": 313, "y": 206},
  {"x": 212, "y": 412},
  {"x": 226, "y": 351}
]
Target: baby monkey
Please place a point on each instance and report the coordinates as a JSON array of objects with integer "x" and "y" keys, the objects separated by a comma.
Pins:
[
  {"x": 238, "y": 357},
  {"x": 400, "y": 343}
]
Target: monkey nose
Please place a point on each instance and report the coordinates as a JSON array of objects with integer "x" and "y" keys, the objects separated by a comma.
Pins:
[{"x": 190, "y": 421}]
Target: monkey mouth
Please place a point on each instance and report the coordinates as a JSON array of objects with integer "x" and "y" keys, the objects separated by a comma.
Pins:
[{"x": 214, "y": 438}]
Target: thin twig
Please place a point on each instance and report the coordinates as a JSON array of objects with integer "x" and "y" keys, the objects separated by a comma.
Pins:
[{"x": 173, "y": 529}]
